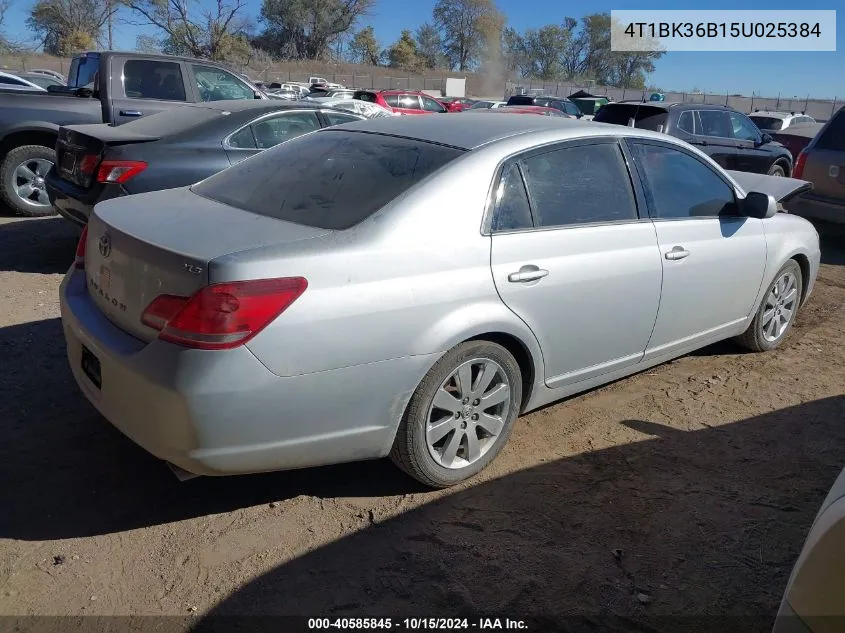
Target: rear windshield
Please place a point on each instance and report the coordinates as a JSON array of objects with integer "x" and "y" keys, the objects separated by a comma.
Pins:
[
  {"x": 332, "y": 179},
  {"x": 833, "y": 138},
  {"x": 521, "y": 100},
  {"x": 173, "y": 121},
  {"x": 645, "y": 117},
  {"x": 83, "y": 71},
  {"x": 767, "y": 122}
]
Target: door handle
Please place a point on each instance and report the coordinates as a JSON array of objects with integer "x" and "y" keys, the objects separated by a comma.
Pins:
[
  {"x": 131, "y": 113},
  {"x": 677, "y": 253},
  {"x": 527, "y": 273}
]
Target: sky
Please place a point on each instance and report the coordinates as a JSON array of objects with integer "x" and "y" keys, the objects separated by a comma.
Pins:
[{"x": 790, "y": 74}]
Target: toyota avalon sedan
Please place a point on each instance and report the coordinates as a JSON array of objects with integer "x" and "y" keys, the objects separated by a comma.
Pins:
[{"x": 408, "y": 287}]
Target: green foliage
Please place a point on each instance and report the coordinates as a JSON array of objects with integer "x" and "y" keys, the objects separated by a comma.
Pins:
[
  {"x": 66, "y": 27},
  {"x": 365, "y": 48},
  {"x": 403, "y": 53}
]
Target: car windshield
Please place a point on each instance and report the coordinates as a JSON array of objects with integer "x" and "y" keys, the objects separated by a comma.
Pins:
[
  {"x": 332, "y": 179},
  {"x": 767, "y": 122},
  {"x": 645, "y": 117},
  {"x": 833, "y": 137}
]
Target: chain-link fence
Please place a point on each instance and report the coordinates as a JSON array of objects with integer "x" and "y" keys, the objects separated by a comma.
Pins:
[
  {"x": 819, "y": 109},
  {"x": 388, "y": 79}
]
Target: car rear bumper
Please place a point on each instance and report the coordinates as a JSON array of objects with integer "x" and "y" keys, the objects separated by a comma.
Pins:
[
  {"x": 76, "y": 204},
  {"x": 811, "y": 207},
  {"x": 224, "y": 412}
]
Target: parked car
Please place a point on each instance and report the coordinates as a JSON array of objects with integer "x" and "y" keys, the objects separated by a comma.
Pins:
[
  {"x": 104, "y": 87},
  {"x": 564, "y": 105},
  {"x": 10, "y": 82},
  {"x": 771, "y": 121},
  {"x": 554, "y": 112},
  {"x": 290, "y": 311},
  {"x": 457, "y": 104},
  {"x": 589, "y": 106},
  {"x": 812, "y": 601},
  {"x": 171, "y": 149},
  {"x": 41, "y": 80},
  {"x": 364, "y": 108},
  {"x": 52, "y": 73},
  {"x": 796, "y": 137},
  {"x": 487, "y": 105},
  {"x": 331, "y": 95},
  {"x": 402, "y": 101},
  {"x": 727, "y": 136},
  {"x": 822, "y": 162}
]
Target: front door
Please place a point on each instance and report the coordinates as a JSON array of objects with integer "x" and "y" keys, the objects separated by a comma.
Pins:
[
  {"x": 752, "y": 156},
  {"x": 714, "y": 137},
  {"x": 573, "y": 259},
  {"x": 713, "y": 258}
]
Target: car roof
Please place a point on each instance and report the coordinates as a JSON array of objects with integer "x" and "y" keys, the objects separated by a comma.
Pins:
[
  {"x": 471, "y": 131},
  {"x": 776, "y": 114}
]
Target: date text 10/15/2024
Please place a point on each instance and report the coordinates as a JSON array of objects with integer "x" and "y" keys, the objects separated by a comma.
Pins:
[{"x": 417, "y": 624}]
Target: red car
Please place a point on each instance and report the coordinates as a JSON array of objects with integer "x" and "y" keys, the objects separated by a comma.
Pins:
[
  {"x": 457, "y": 104},
  {"x": 402, "y": 101}
]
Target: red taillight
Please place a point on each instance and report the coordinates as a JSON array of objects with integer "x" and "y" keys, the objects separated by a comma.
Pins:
[
  {"x": 798, "y": 171},
  {"x": 222, "y": 316},
  {"x": 79, "y": 260},
  {"x": 119, "y": 171},
  {"x": 88, "y": 164}
]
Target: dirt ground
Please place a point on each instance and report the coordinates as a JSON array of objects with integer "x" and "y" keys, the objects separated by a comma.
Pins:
[{"x": 680, "y": 494}]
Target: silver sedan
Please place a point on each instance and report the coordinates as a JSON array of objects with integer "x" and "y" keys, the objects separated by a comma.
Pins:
[{"x": 409, "y": 287}]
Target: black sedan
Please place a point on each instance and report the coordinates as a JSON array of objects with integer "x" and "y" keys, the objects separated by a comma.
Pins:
[{"x": 172, "y": 149}]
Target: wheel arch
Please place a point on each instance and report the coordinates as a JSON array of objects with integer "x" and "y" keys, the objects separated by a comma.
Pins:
[
  {"x": 520, "y": 352},
  {"x": 45, "y": 135}
]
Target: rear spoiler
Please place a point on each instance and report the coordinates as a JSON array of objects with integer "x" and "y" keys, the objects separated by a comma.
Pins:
[
  {"x": 781, "y": 189},
  {"x": 108, "y": 134}
]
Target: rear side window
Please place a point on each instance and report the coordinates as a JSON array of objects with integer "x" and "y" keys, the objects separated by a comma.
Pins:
[
  {"x": 645, "y": 117},
  {"x": 278, "y": 129},
  {"x": 715, "y": 123},
  {"x": 579, "y": 184},
  {"x": 686, "y": 122},
  {"x": 521, "y": 100},
  {"x": 392, "y": 100},
  {"x": 571, "y": 108},
  {"x": 153, "y": 79},
  {"x": 833, "y": 138},
  {"x": 767, "y": 123},
  {"x": 331, "y": 180},
  {"x": 512, "y": 209},
  {"x": 365, "y": 96},
  {"x": 337, "y": 118}
]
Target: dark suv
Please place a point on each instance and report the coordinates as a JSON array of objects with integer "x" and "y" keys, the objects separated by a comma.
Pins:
[
  {"x": 822, "y": 163},
  {"x": 564, "y": 105},
  {"x": 727, "y": 136}
]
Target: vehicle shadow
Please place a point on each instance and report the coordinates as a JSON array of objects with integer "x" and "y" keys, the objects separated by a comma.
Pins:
[
  {"x": 38, "y": 245},
  {"x": 678, "y": 531},
  {"x": 832, "y": 239},
  {"x": 66, "y": 472}
]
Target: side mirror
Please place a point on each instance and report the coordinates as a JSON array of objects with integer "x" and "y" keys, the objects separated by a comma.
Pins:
[
  {"x": 759, "y": 205},
  {"x": 766, "y": 138}
]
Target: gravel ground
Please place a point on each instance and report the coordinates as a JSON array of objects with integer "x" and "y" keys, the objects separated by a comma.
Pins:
[{"x": 683, "y": 491}]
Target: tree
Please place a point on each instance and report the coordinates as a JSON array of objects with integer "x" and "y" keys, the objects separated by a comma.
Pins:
[
  {"x": 68, "y": 26},
  {"x": 545, "y": 48},
  {"x": 147, "y": 44},
  {"x": 305, "y": 29},
  {"x": 429, "y": 46},
  {"x": 403, "y": 53},
  {"x": 218, "y": 33},
  {"x": 469, "y": 28},
  {"x": 6, "y": 45},
  {"x": 365, "y": 48}
]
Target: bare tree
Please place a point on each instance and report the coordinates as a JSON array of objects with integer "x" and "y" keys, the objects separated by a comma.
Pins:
[
  {"x": 467, "y": 28},
  {"x": 218, "y": 32},
  {"x": 67, "y": 26}
]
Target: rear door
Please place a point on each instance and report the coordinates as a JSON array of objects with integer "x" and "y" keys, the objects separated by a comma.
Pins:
[
  {"x": 141, "y": 87},
  {"x": 714, "y": 136},
  {"x": 825, "y": 162},
  {"x": 268, "y": 131},
  {"x": 409, "y": 104},
  {"x": 571, "y": 257},
  {"x": 713, "y": 259},
  {"x": 752, "y": 155}
]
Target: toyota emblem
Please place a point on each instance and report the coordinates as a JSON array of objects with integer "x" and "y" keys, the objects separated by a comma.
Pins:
[{"x": 104, "y": 244}]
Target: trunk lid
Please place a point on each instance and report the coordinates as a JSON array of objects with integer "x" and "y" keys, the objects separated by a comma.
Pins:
[
  {"x": 781, "y": 189},
  {"x": 146, "y": 245},
  {"x": 80, "y": 149}
]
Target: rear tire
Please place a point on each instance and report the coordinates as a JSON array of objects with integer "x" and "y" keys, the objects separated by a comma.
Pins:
[
  {"x": 782, "y": 299},
  {"x": 22, "y": 180},
  {"x": 451, "y": 432}
]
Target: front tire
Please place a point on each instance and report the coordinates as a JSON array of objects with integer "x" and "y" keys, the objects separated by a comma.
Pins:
[
  {"x": 777, "y": 311},
  {"x": 777, "y": 170},
  {"x": 460, "y": 416},
  {"x": 22, "y": 180}
]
